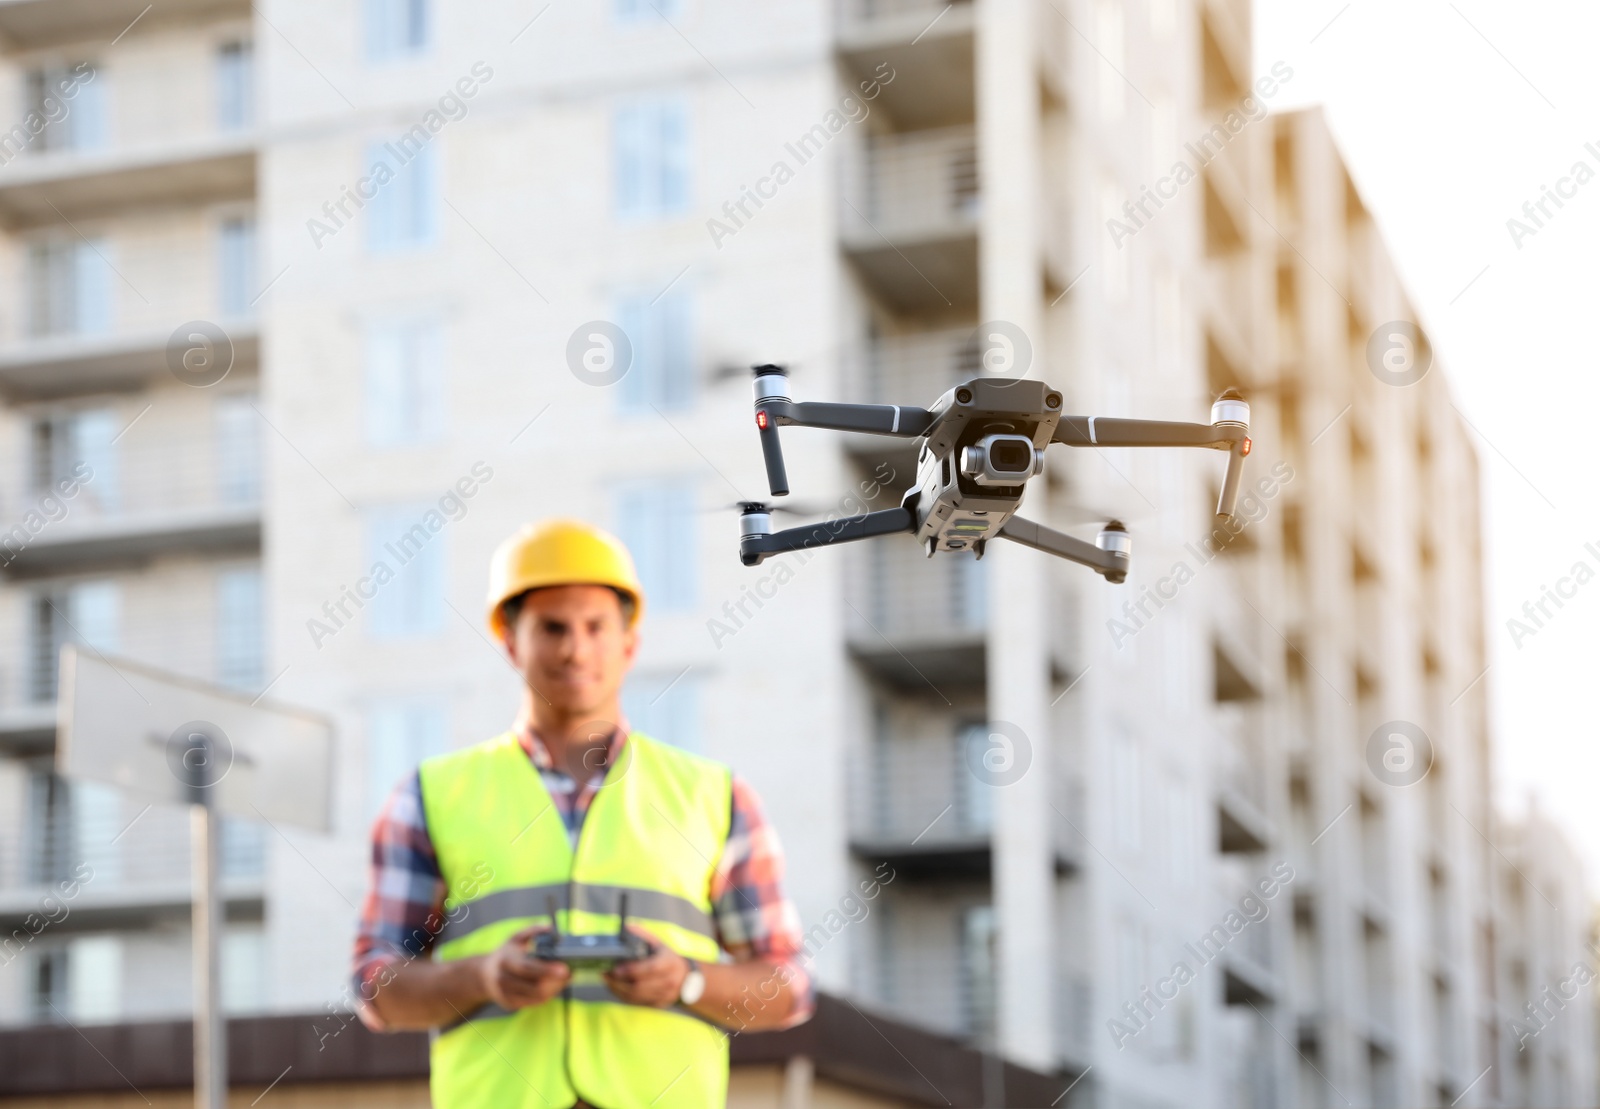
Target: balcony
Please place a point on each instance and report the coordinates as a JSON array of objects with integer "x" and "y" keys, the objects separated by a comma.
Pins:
[
  {"x": 69, "y": 365},
  {"x": 934, "y": 964},
  {"x": 181, "y": 616},
  {"x": 148, "y": 493},
  {"x": 41, "y": 189},
  {"x": 915, "y": 803},
  {"x": 912, "y": 369},
  {"x": 919, "y": 805},
  {"x": 913, "y": 621},
  {"x": 1241, "y": 781},
  {"x": 31, "y": 24},
  {"x": 1249, "y": 968},
  {"x": 926, "y": 44},
  {"x": 128, "y": 862},
  {"x": 909, "y": 218}
]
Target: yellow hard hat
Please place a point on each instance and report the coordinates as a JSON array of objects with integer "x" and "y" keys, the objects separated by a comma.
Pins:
[{"x": 560, "y": 552}]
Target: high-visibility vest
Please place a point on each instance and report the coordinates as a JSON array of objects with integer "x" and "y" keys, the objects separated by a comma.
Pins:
[{"x": 654, "y": 832}]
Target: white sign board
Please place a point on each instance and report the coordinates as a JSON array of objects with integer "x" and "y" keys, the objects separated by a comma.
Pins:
[{"x": 160, "y": 736}]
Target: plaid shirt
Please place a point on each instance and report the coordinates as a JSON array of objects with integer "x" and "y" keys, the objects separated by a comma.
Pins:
[{"x": 404, "y": 908}]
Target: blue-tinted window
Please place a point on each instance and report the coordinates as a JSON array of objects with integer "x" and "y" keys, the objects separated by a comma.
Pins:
[
  {"x": 410, "y": 543},
  {"x": 236, "y": 99},
  {"x": 401, "y": 732},
  {"x": 656, "y": 520},
  {"x": 236, "y": 266},
  {"x": 239, "y": 629},
  {"x": 403, "y": 213},
  {"x": 396, "y": 28},
  {"x": 661, "y": 329},
  {"x": 403, "y": 377},
  {"x": 651, "y": 158}
]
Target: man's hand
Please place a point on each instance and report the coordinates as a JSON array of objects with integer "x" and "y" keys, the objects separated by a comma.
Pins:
[
  {"x": 655, "y": 980},
  {"x": 513, "y": 979}
]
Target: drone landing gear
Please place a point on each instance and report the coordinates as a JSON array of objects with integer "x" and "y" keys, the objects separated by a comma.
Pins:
[
  {"x": 1109, "y": 555},
  {"x": 757, "y": 540}
]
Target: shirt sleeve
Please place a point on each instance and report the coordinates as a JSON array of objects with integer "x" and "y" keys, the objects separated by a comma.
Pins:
[
  {"x": 753, "y": 917},
  {"x": 404, "y": 907}
]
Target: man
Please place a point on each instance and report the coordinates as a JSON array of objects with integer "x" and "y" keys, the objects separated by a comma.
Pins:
[{"x": 564, "y": 815}]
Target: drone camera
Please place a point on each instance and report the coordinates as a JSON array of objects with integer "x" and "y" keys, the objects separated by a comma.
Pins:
[{"x": 1002, "y": 460}]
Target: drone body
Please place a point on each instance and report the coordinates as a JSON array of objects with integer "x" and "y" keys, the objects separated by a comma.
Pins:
[{"x": 980, "y": 444}]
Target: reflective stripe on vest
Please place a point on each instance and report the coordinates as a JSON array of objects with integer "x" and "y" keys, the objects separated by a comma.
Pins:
[{"x": 653, "y": 832}]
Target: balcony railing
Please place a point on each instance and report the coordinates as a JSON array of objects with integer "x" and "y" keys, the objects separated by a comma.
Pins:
[
  {"x": 916, "y": 185},
  {"x": 921, "y": 792},
  {"x": 937, "y": 968},
  {"x": 106, "y": 849},
  {"x": 912, "y": 369},
  {"x": 897, "y": 593},
  {"x": 1254, "y": 944},
  {"x": 127, "y": 477},
  {"x": 1243, "y": 769}
]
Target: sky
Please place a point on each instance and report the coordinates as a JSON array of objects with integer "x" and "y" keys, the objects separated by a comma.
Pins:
[{"x": 1451, "y": 117}]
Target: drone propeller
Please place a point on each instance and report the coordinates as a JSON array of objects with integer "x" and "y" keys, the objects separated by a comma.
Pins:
[
  {"x": 1093, "y": 514},
  {"x": 802, "y": 509}
]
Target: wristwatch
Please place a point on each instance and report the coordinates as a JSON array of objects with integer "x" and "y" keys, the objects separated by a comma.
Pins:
[{"x": 694, "y": 984}]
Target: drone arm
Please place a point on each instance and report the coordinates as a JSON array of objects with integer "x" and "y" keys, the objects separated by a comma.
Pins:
[
  {"x": 1110, "y": 561},
  {"x": 1229, "y": 430},
  {"x": 1229, "y": 495},
  {"x": 756, "y": 542},
  {"x": 1103, "y": 431},
  {"x": 875, "y": 419},
  {"x": 774, "y": 409}
]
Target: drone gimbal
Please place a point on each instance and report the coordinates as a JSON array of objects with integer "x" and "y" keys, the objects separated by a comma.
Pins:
[{"x": 981, "y": 442}]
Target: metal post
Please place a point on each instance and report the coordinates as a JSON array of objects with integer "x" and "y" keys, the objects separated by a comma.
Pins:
[{"x": 210, "y": 1024}]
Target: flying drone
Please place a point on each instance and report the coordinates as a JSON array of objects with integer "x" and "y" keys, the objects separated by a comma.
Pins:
[{"x": 980, "y": 443}]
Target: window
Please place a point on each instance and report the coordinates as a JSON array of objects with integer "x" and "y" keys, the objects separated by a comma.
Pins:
[
  {"x": 404, "y": 381},
  {"x": 239, "y": 629},
  {"x": 49, "y": 853},
  {"x": 978, "y": 935},
  {"x": 395, "y": 28},
  {"x": 94, "y": 979},
  {"x": 403, "y": 213},
  {"x": 665, "y": 706},
  {"x": 238, "y": 449},
  {"x": 243, "y": 849},
  {"x": 244, "y": 969},
  {"x": 976, "y": 796},
  {"x": 651, "y": 158},
  {"x": 97, "y": 819},
  {"x": 656, "y": 520},
  {"x": 71, "y": 100},
  {"x": 405, "y": 540},
  {"x": 401, "y": 732},
  {"x": 236, "y": 94},
  {"x": 61, "y": 442},
  {"x": 69, "y": 287},
  {"x": 51, "y": 1002},
  {"x": 236, "y": 266},
  {"x": 661, "y": 331},
  {"x": 637, "y": 11}
]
